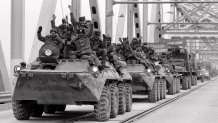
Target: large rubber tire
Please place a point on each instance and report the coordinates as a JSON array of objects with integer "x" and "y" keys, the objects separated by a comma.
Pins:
[
  {"x": 189, "y": 82},
  {"x": 161, "y": 89},
  {"x": 60, "y": 107},
  {"x": 103, "y": 108},
  {"x": 128, "y": 97},
  {"x": 192, "y": 80},
  {"x": 202, "y": 79},
  {"x": 158, "y": 90},
  {"x": 37, "y": 110},
  {"x": 178, "y": 85},
  {"x": 122, "y": 98},
  {"x": 172, "y": 87},
  {"x": 22, "y": 109},
  {"x": 50, "y": 109},
  {"x": 164, "y": 89},
  {"x": 152, "y": 95},
  {"x": 185, "y": 83},
  {"x": 114, "y": 100}
]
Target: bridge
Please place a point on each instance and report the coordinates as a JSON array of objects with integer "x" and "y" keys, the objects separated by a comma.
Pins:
[{"x": 158, "y": 21}]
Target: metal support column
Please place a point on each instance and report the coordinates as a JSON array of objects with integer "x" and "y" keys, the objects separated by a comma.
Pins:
[
  {"x": 5, "y": 84},
  {"x": 145, "y": 22},
  {"x": 109, "y": 18},
  {"x": 94, "y": 8},
  {"x": 130, "y": 21},
  {"x": 137, "y": 20},
  {"x": 76, "y": 8},
  {"x": 172, "y": 13},
  {"x": 152, "y": 27},
  {"x": 47, "y": 9},
  {"x": 157, "y": 28},
  {"x": 17, "y": 33},
  {"x": 120, "y": 22}
]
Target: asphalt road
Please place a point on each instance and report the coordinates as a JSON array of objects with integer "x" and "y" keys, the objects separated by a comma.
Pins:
[
  {"x": 201, "y": 106},
  {"x": 140, "y": 104}
]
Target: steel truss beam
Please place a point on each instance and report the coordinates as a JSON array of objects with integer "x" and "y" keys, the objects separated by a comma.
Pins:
[{"x": 161, "y": 2}]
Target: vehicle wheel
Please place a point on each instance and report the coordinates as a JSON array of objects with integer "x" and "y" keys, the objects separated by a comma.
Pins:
[
  {"x": 202, "y": 79},
  {"x": 103, "y": 108},
  {"x": 189, "y": 82},
  {"x": 152, "y": 96},
  {"x": 164, "y": 89},
  {"x": 114, "y": 100},
  {"x": 178, "y": 85},
  {"x": 172, "y": 87},
  {"x": 185, "y": 83},
  {"x": 161, "y": 89},
  {"x": 22, "y": 109},
  {"x": 122, "y": 98},
  {"x": 158, "y": 90},
  {"x": 37, "y": 110},
  {"x": 192, "y": 80},
  {"x": 128, "y": 97},
  {"x": 61, "y": 108},
  {"x": 196, "y": 80},
  {"x": 50, "y": 109}
]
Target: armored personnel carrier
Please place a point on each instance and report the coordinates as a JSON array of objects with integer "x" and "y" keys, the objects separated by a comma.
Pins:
[
  {"x": 51, "y": 82},
  {"x": 171, "y": 76},
  {"x": 184, "y": 63}
]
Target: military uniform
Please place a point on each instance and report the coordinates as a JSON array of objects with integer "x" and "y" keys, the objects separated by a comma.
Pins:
[
  {"x": 49, "y": 38},
  {"x": 83, "y": 47},
  {"x": 64, "y": 30},
  {"x": 99, "y": 47}
]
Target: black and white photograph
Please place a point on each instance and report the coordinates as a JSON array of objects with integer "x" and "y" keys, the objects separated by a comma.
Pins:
[{"x": 109, "y": 61}]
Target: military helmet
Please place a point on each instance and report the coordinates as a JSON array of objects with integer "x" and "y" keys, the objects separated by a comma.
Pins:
[
  {"x": 97, "y": 33},
  {"x": 82, "y": 19},
  {"x": 64, "y": 20}
]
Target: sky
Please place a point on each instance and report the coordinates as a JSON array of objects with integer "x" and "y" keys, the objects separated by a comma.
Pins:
[{"x": 32, "y": 11}]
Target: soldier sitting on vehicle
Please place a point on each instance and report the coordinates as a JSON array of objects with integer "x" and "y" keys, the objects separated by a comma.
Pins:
[
  {"x": 112, "y": 55},
  {"x": 99, "y": 47},
  {"x": 53, "y": 37},
  {"x": 64, "y": 30},
  {"x": 134, "y": 43},
  {"x": 82, "y": 45}
]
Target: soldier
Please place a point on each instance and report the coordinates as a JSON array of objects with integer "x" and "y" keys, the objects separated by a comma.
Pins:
[
  {"x": 53, "y": 37},
  {"x": 112, "y": 55},
  {"x": 76, "y": 25},
  {"x": 134, "y": 43},
  {"x": 99, "y": 47},
  {"x": 82, "y": 44},
  {"x": 64, "y": 30}
]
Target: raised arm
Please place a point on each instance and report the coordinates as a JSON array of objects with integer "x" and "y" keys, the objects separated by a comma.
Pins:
[
  {"x": 40, "y": 37},
  {"x": 72, "y": 18},
  {"x": 53, "y": 21},
  {"x": 89, "y": 30}
]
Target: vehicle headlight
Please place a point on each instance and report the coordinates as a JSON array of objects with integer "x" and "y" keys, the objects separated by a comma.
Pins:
[
  {"x": 149, "y": 70},
  {"x": 95, "y": 69},
  {"x": 48, "y": 52},
  {"x": 17, "y": 69}
]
